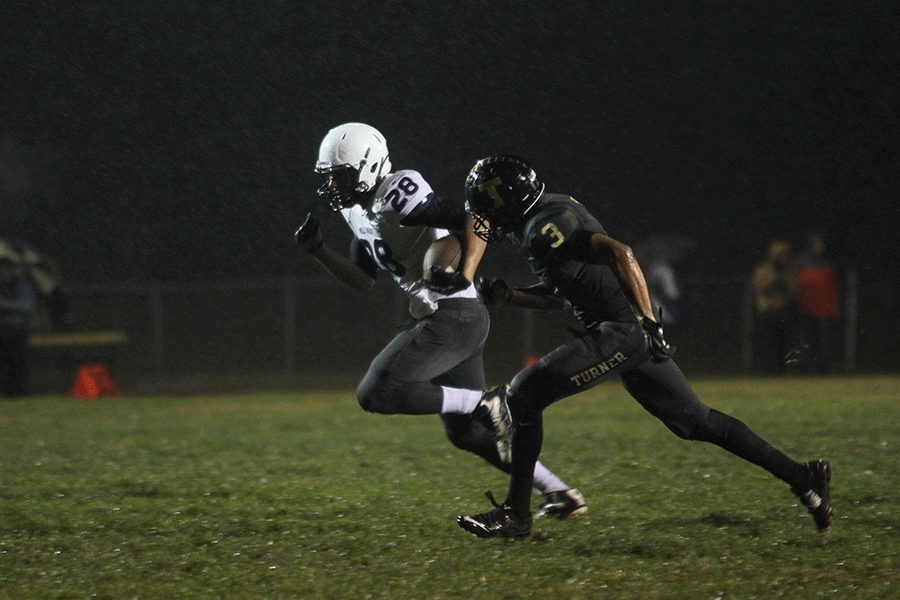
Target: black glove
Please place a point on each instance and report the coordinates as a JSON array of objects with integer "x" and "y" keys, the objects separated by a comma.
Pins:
[
  {"x": 492, "y": 290},
  {"x": 446, "y": 282},
  {"x": 660, "y": 349},
  {"x": 309, "y": 234}
]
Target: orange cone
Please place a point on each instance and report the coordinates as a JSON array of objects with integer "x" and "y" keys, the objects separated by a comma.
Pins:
[
  {"x": 530, "y": 360},
  {"x": 94, "y": 381}
]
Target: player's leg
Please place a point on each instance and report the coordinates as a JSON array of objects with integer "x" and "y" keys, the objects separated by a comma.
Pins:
[
  {"x": 469, "y": 434},
  {"x": 401, "y": 379},
  {"x": 472, "y": 436},
  {"x": 663, "y": 390},
  {"x": 574, "y": 367},
  {"x": 577, "y": 366}
]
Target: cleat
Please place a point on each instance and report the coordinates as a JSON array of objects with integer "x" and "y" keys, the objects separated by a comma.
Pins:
[
  {"x": 563, "y": 504},
  {"x": 493, "y": 413},
  {"x": 817, "y": 499},
  {"x": 499, "y": 522}
]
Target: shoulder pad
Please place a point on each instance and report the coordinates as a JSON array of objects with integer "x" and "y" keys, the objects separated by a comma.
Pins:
[{"x": 402, "y": 191}]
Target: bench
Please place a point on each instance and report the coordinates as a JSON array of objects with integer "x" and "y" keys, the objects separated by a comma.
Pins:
[
  {"x": 58, "y": 356},
  {"x": 76, "y": 339}
]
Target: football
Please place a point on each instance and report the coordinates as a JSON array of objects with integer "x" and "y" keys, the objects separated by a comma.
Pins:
[{"x": 444, "y": 253}]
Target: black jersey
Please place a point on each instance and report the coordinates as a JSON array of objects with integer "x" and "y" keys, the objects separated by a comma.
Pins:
[{"x": 553, "y": 242}]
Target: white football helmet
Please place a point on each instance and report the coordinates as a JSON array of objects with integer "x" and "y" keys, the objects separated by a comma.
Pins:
[{"x": 361, "y": 153}]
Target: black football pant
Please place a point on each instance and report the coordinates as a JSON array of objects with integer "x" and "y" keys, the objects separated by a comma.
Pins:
[
  {"x": 660, "y": 387},
  {"x": 445, "y": 348}
]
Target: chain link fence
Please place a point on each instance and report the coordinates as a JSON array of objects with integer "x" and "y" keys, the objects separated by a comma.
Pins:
[{"x": 314, "y": 333}]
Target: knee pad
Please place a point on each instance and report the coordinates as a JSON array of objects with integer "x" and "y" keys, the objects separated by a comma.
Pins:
[
  {"x": 375, "y": 395},
  {"x": 521, "y": 408},
  {"x": 365, "y": 399}
]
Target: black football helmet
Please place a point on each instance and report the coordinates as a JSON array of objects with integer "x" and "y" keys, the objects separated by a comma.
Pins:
[{"x": 500, "y": 190}]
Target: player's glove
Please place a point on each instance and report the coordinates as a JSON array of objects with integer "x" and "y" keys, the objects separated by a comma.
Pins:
[
  {"x": 492, "y": 290},
  {"x": 309, "y": 234},
  {"x": 660, "y": 349},
  {"x": 446, "y": 282}
]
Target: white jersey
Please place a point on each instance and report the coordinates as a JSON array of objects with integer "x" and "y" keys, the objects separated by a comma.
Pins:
[{"x": 397, "y": 249}]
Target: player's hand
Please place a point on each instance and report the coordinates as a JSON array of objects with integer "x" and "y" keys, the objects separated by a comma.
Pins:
[
  {"x": 492, "y": 290},
  {"x": 446, "y": 282},
  {"x": 309, "y": 234},
  {"x": 660, "y": 349}
]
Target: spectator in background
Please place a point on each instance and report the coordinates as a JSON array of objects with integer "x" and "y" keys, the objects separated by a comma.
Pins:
[
  {"x": 776, "y": 290},
  {"x": 664, "y": 292},
  {"x": 53, "y": 303},
  {"x": 18, "y": 300},
  {"x": 819, "y": 305},
  {"x": 657, "y": 256}
]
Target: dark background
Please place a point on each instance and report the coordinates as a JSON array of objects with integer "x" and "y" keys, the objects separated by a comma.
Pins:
[{"x": 145, "y": 140}]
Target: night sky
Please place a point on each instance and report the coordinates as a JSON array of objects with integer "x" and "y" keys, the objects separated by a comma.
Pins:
[{"x": 147, "y": 140}]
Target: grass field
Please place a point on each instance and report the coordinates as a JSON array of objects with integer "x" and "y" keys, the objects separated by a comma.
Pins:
[{"x": 306, "y": 496}]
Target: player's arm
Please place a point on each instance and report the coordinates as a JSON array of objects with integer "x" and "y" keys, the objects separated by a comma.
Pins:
[
  {"x": 600, "y": 249},
  {"x": 440, "y": 213},
  {"x": 538, "y": 297},
  {"x": 619, "y": 257},
  {"x": 358, "y": 272},
  {"x": 473, "y": 250},
  {"x": 343, "y": 269},
  {"x": 604, "y": 250},
  {"x": 494, "y": 291}
]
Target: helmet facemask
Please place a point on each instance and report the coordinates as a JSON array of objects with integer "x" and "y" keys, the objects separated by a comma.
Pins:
[
  {"x": 483, "y": 229},
  {"x": 340, "y": 188}
]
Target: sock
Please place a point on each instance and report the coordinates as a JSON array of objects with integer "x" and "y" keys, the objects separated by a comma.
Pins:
[
  {"x": 459, "y": 401},
  {"x": 545, "y": 481}
]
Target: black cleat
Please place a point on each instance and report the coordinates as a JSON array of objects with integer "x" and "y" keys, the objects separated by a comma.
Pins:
[
  {"x": 817, "y": 499},
  {"x": 493, "y": 413},
  {"x": 563, "y": 504},
  {"x": 500, "y": 522}
]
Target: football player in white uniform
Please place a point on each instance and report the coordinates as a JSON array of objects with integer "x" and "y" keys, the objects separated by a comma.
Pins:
[{"x": 436, "y": 365}]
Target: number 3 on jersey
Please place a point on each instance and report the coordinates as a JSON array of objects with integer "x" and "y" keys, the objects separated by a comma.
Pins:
[{"x": 554, "y": 232}]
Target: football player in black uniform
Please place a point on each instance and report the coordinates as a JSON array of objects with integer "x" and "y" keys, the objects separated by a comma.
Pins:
[
  {"x": 579, "y": 266},
  {"x": 435, "y": 365}
]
